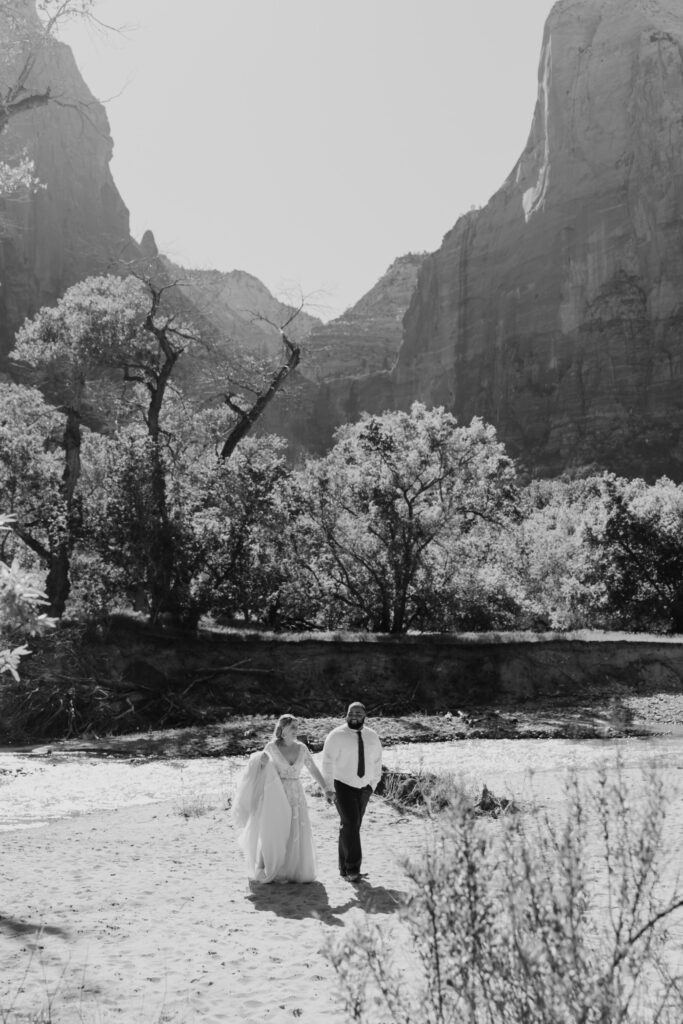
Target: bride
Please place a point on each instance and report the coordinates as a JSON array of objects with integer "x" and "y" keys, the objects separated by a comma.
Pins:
[{"x": 270, "y": 808}]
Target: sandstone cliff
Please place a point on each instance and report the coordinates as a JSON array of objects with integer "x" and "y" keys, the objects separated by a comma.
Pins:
[
  {"x": 556, "y": 312},
  {"x": 366, "y": 337},
  {"x": 77, "y": 224},
  {"x": 336, "y": 382}
]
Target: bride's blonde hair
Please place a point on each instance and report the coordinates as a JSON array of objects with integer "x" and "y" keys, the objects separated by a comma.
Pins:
[{"x": 282, "y": 723}]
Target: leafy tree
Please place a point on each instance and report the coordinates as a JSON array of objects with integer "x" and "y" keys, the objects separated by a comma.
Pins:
[
  {"x": 21, "y": 610},
  {"x": 384, "y": 508},
  {"x": 31, "y": 481},
  {"x": 639, "y": 554},
  {"x": 548, "y": 555},
  {"x": 238, "y": 526},
  {"x": 117, "y": 324},
  {"x": 127, "y": 326}
]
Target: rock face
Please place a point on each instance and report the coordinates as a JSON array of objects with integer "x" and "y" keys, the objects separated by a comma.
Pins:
[
  {"x": 556, "y": 311},
  {"x": 77, "y": 224},
  {"x": 367, "y": 337},
  {"x": 238, "y": 307},
  {"x": 345, "y": 363}
]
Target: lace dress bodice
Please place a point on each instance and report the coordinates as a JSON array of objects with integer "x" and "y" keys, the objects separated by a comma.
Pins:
[{"x": 284, "y": 769}]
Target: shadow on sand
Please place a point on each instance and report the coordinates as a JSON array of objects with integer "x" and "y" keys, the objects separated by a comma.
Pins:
[
  {"x": 311, "y": 900},
  {"x": 19, "y": 929}
]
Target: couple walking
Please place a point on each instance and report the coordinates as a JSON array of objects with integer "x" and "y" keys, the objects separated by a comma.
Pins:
[{"x": 270, "y": 808}]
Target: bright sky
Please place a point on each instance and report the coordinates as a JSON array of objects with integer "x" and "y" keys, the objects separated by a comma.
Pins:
[{"x": 311, "y": 142}]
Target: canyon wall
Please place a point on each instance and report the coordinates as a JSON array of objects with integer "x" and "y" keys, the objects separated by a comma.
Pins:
[
  {"x": 345, "y": 361},
  {"x": 76, "y": 224},
  {"x": 367, "y": 337},
  {"x": 556, "y": 311}
]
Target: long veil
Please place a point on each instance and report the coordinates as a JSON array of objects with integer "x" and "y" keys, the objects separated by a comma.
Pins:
[{"x": 261, "y": 810}]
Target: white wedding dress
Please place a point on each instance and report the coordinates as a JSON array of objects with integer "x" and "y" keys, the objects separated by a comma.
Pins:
[{"x": 269, "y": 807}]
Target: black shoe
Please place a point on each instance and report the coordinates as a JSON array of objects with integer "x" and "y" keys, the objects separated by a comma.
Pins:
[{"x": 353, "y": 876}]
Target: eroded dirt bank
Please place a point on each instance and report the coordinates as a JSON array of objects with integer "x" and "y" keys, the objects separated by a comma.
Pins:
[{"x": 133, "y": 689}]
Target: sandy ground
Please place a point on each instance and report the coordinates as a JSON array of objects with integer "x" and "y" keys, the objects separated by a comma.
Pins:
[{"x": 146, "y": 915}]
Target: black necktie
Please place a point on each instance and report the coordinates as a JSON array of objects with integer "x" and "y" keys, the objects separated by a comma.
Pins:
[{"x": 361, "y": 756}]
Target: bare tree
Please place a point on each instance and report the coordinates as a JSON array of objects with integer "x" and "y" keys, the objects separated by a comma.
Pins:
[{"x": 250, "y": 401}]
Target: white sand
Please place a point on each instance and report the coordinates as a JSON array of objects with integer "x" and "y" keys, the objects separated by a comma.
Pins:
[{"x": 143, "y": 915}]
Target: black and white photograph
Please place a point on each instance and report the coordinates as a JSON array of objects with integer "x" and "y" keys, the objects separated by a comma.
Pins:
[{"x": 341, "y": 511}]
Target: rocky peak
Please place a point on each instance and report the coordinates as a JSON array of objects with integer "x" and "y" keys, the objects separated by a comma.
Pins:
[
  {"x": 391, "y": 296},
  {"x": 367, "y": 336},
  {"x": 148, "y": 246}
]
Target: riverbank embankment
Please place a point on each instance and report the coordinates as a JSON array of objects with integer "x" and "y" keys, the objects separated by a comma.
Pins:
[{"x": 132, "y": 689}]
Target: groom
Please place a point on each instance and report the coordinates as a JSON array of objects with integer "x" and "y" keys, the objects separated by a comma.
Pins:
[{"x": 352, "y": 763}]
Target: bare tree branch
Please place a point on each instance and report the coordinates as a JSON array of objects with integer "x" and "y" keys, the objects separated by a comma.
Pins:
[{"x": 248, "y": 418}]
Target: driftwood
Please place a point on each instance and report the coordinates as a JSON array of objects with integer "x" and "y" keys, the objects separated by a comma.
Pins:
[{"x": 67, "y": 706}]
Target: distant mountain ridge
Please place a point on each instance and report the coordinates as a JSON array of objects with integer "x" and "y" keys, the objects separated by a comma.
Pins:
[{"x": 238, "y": 305}]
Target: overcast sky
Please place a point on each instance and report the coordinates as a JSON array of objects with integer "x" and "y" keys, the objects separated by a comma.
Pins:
[{"x": 311, "y": 142}]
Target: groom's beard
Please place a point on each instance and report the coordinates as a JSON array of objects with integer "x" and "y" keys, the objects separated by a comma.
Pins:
[{"x": 355, "y": 725}]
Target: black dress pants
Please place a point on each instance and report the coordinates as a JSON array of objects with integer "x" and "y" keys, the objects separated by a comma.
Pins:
[{"x": 351, "y": 803}]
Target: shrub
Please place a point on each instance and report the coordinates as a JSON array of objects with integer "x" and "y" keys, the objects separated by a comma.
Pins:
[
  {"x": 21, "y": 614},
  {"x": 530, "y": 918}
]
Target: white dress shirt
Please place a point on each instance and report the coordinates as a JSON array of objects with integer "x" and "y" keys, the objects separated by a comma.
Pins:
[{"x": 340, "y": 757}]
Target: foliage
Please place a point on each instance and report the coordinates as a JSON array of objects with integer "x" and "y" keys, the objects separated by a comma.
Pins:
[
  {"x": 21, "y": 602},
  {"x": 547, "y": 552},
  {"x": 237, "y": 524},
  {"x": 119, "y": 527},
  {"x": 119, "y": 323},
  {"x": 529, "y": 919},
  {"x": 18, "y": 177},
  {"x": 97, "y": 322},
  {"x": 381, "y": 515},
  {"x": 409, "y": 522},
  {"x": 30, "y": 470},
  {"x": 638, "y": 554}
]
